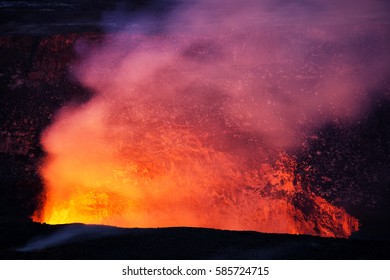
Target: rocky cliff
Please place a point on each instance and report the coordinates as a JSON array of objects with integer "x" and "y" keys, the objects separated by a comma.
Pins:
[{"x": 34, "y": 83}]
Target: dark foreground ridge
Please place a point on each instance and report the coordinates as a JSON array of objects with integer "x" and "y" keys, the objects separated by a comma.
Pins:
[{"x": 78, "y": 241}]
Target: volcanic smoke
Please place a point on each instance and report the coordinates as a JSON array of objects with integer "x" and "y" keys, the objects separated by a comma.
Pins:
[{"x": 193, "y": 118}]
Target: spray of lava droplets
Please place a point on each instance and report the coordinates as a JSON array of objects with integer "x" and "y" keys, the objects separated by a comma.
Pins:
[{"x": 188, "y": 126}]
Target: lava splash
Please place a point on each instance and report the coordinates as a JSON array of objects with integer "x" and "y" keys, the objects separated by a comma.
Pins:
[
  {"x": 153, "y": 164},
  {"x": 191, "y": 125}
]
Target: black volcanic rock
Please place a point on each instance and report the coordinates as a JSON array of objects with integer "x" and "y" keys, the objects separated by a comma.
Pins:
[
  {"x": 36, "y": 60},
  {"x": 45, "y": 17},
  {"x": 77, "y": 241},
  {"x": 34, "y": 83}
]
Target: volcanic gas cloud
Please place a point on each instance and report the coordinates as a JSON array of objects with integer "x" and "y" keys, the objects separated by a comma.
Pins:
[{"x": 193, "y": 118}]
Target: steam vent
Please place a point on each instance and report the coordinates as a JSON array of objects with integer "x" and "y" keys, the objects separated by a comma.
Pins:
[{"x": 253, "y": 126}]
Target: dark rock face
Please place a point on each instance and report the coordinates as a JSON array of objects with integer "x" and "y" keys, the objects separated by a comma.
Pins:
[
  {"x": 34, "y": 83},
  {"x": 44, "y": 17},
  {"x": 350, "y": 167},
  {"x": 35, "y": 60}
]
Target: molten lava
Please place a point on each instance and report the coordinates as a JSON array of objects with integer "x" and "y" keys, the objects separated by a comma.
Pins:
[
  {"x": 168, "y": 174},
  {"x": 188, "y": 128}
]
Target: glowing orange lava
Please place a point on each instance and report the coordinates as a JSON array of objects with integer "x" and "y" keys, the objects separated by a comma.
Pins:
[
  {"x": 186, "y": 130},
  {"x": 170, "y": 176}
]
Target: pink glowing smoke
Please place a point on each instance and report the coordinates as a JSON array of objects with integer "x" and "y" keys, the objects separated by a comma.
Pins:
[
  {"x": 225, "y": 84},
  {"x": 262, "y": 69}
]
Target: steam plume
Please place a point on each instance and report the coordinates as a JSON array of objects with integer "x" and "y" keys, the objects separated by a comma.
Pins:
[{"x": 190, "y": 114}]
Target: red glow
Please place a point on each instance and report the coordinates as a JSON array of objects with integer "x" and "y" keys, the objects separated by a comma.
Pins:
[
  {"x": 186, "y": 130},
  {"x": 169, "y": 176}
]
